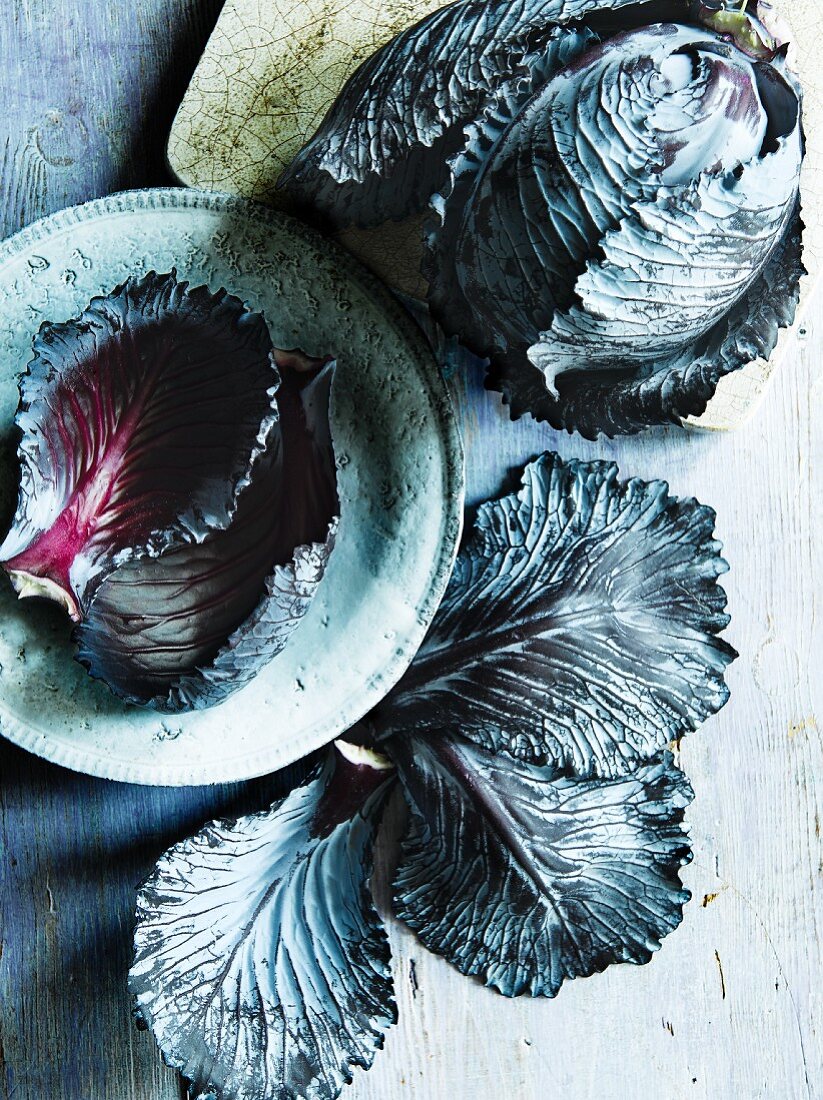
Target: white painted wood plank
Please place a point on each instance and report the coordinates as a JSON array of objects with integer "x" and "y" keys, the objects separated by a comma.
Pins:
[{"x": 731, "y": 1006}]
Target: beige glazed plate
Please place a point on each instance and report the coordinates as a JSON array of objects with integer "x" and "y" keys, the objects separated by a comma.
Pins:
[
  {"x": 400, "y": 479},
  {"x": 272, "y": 68}
]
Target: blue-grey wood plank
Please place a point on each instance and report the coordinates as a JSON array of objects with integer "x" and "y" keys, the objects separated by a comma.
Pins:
[{"x": 88, "y": 91}]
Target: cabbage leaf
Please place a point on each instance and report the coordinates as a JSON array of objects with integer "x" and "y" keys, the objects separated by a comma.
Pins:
[
  {"x": 580, "y": 626},
  {"x": 260, "y": 961},
  {"x": 381, "y": 150},
  {"x": 523, "y": 878},
  {"x": 177, "y": 491},
  {"x": 141, "y": 422}
]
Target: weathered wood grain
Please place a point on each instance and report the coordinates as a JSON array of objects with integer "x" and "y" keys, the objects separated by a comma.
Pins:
[{"x": 730, "y": 1008}]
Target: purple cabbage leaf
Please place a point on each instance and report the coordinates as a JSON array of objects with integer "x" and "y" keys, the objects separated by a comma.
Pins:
[
  {"x": 525, "y": 878},
  {"x": 381, "y": 150},
  {"x": 261, "y": 964},
  {"x": 177, "y": 489},
  {"x": 612, "y": 403},
  {"x": 616, "y": 221},
  {"x": 580, "y": 627}
]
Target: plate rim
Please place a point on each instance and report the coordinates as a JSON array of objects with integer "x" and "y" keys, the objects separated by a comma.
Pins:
[{"x": 261, "y": 762}]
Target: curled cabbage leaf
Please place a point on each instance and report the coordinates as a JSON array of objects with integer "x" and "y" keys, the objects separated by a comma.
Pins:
[
  {"x": 177, "y": 488},
  {"x": 580, "y": 627},
  {"x": 620, "y": 225},
  {"x": 525, "y": 878},
  {"x": 261, "y": 964},
  {"x": 381, "y": 150}
]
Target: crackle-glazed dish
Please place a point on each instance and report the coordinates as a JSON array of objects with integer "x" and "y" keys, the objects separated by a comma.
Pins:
[{"x": 399, "y": 475}]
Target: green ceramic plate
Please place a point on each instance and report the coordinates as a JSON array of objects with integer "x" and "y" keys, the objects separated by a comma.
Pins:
[{"x": 400, "y": 480}]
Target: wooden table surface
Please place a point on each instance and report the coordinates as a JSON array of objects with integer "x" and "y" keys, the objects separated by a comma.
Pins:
[{"x": 731, "y": 1007}]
